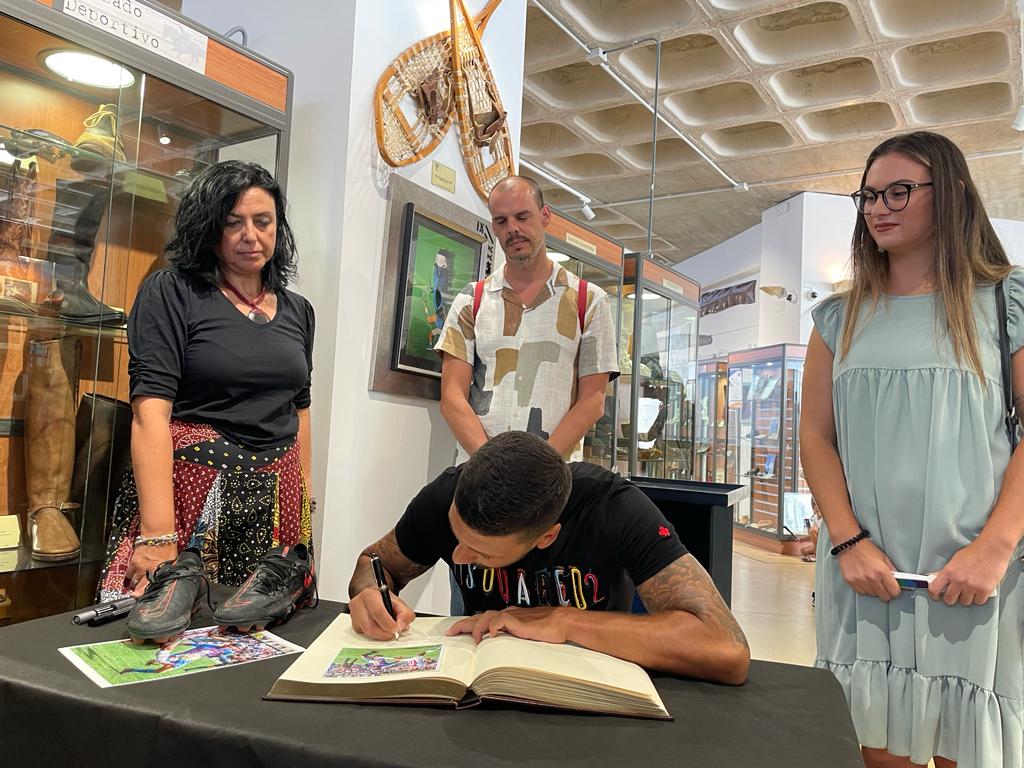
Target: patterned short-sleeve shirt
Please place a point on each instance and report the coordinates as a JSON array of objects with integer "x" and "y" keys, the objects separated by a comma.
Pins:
[{"x": 527, "y": 360}]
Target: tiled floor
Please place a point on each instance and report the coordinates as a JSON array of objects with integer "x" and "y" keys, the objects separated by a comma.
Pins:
[{"x": 771, "y": 598}]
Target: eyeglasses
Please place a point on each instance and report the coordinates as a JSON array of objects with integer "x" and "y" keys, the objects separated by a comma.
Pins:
[{"x": 896, "y": 196}]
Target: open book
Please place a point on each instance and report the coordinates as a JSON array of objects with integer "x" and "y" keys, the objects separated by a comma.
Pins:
[{"x": 425, "y": 667}]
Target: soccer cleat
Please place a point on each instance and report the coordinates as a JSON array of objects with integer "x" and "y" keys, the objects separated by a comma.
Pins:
[
  {"x": 284, "y": 581},
  {"x": 170, "y": 600}
]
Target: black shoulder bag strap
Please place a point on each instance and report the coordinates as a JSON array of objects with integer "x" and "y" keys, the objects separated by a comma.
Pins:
[{"x": 1012, "y": 419}]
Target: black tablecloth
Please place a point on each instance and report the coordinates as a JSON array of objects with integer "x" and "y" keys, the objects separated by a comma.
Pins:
[{"x": 52, "y": 715}]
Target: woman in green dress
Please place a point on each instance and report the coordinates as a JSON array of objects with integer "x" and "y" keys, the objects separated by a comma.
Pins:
[{"x": 905, "y": 447}]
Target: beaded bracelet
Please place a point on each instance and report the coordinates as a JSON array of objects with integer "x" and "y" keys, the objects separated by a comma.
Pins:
[
  {"x": 156, "y": 541},
  {"x": 840, "y": 548}
]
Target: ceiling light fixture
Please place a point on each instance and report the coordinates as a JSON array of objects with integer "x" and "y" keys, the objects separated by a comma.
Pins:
[
  {"x": 1018, "y": 121},
  {"x": 557, "y": 257},
  {"x": 646, "y": 296},
  {"x": 586, "y": 210},
  {"x": 87, "y": 69},
  {"x": 161, "y": 134}
]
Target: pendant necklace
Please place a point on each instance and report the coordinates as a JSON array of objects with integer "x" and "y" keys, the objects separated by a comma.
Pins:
[{"x": 256, "y": 314}]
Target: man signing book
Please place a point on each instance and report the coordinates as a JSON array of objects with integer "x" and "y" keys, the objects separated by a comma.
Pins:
[{"x": 549, "y": 551}]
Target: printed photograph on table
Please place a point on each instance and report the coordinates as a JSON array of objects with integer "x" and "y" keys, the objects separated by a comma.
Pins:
[
  {"x": 377, "y": 662},
  {"x": 120, "y": 662},
  {"x": 439, "y": 259}
]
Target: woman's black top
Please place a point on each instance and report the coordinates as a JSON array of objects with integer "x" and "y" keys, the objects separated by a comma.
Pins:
[{"x": 187, "y": 343}]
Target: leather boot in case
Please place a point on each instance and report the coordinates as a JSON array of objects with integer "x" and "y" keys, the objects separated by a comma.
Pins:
[
  {"x": 51, "y": 373},
  {"x": 79, "y": 207}
]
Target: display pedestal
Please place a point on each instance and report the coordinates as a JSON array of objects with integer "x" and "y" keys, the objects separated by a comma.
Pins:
[
  {"x": 768, "y": 543},
  {"x": 702, "y": 514}
]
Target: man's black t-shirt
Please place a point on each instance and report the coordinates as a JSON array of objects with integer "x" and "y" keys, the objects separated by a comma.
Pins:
[
  {"x": 612, "y": 537},
  {"x": 188, "y": 344}
]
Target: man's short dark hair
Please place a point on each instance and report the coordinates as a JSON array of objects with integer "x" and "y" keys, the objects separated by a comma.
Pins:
[
  {"x": 515, "y": 483},
  {"x": 535, "y": 190}
]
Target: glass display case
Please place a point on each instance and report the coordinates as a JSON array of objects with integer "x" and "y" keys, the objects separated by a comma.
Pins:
[
  {"x": 98, "y": 139},
  {"x": 598, "y": 260},
  {"x": 657, "y": 359},
  {"x": 712, "y": 413},
  {"x": 763, "y": 449}
]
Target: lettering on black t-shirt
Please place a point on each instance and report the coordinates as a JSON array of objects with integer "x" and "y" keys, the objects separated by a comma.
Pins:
[{"x": 612, "y": 537}]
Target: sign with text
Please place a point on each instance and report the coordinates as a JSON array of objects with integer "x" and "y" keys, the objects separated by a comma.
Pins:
[
  {"x": 579, "y": 242},
  {"x": 10, "y": 532},
  {"x": 145, "y": 27},
  {"x": 442, "y": 176}
]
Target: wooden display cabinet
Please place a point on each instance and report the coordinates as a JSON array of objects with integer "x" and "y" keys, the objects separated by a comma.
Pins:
[{"x": 82, "y": 224}]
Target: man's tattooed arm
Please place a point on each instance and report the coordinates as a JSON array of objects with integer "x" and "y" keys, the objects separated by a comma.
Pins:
[
  {"x": 399, "y": 569},
  {"x": 685, "y": 586}
]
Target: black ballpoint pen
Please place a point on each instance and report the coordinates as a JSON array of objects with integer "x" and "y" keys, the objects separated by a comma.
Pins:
[
  {"x": 104, "y": 611},
  {"x": 382, "y": 586}
]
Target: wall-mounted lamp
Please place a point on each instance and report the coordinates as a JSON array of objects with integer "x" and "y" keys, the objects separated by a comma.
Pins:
[
  {"x": 161, "y": 134},
  {"x": 779, "y": 292}
]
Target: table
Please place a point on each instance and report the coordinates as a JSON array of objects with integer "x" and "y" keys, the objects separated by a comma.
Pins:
[{"x": 51, "y": 715}]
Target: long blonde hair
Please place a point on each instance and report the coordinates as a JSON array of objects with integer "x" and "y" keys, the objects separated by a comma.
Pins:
[{"x": 967, "y": 251}]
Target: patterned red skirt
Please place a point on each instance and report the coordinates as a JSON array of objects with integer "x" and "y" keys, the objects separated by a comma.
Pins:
[{"x": 231, "y": 504}]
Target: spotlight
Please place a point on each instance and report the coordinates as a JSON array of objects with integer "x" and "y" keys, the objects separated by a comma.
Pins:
[
  {"x": 779, "y": 292},
  {"x": 588, "y": 212},
  {"x": 161, "y": 134},
  {"x": 1018, "y": 121}
]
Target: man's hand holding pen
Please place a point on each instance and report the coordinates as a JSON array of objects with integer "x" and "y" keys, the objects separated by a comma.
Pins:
[{"x": 370, "y": 610}]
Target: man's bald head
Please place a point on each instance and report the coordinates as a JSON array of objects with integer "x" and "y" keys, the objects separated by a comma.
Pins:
[{"x": 510, "y": 183}]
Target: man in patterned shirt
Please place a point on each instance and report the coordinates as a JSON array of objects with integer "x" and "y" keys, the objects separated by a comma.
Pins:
[{"x": 524, "y": 352}]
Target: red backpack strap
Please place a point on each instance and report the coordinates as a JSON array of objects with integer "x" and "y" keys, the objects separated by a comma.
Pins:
[
  {"x": 478, "y": 295},
  {"x": 581, "y": 303}
]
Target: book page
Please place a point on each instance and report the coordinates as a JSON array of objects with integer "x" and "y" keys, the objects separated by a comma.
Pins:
[
  {"x": 568, "y": 662},
  {"x": 340, "y": 656}
]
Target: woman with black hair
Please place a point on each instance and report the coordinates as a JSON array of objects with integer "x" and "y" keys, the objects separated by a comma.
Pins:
[{"x": 220, "y": 358}]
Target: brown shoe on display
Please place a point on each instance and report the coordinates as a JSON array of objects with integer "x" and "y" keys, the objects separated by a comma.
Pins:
[
  {"x": 51, "y": 372},
  {"x": 99, "y": 140},
  {"x": 53, "y": 537}
]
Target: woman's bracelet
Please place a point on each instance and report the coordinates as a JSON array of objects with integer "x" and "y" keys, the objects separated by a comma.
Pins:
[
  {"x": 156, "y": 541},
  {"x": 850, "y": 542}
]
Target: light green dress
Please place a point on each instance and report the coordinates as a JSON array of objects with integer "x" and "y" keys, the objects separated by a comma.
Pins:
[{"x": 924, "y": 449}]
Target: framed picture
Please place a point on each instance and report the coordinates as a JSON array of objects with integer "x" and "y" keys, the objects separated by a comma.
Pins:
[
  {"x": 25, "y": 291},
  {"x": 438, "y": 259}
]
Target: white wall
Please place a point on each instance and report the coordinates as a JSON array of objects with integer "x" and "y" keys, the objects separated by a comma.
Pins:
[
  {"x": 778, "y": 320},
  {"x": 373, "y": 452},
  {"x": 825, "y": 255},
  {"x": 735, "y": 260},
  {"x": 1011, "y": 235}
]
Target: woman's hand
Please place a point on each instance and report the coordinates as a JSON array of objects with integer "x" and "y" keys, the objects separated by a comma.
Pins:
[
  {"x": 146, "y": 559},
  {"x": 868, "y": 571},
  {"x": 972, "y": 574}
]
